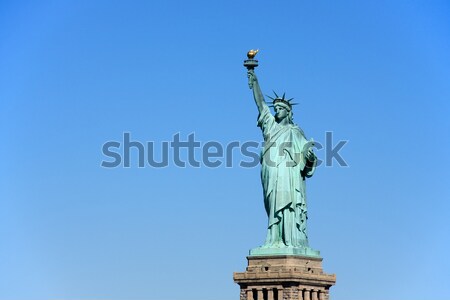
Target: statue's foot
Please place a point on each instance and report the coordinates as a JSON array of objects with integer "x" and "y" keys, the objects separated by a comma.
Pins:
[{"x": 279, "y": 244}]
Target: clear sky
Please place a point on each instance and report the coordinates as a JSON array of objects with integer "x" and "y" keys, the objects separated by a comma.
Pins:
[{"x": 76, "y": 74}]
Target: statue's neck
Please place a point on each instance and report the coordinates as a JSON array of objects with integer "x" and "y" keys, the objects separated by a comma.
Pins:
[{"x": 285, "y": 121}]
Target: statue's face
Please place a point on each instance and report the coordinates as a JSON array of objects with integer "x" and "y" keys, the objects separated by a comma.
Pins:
[{"x": 280, "y": 112}]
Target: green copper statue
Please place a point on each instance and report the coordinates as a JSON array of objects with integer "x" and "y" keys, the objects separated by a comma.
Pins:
[{"x": 287, "y": 160}]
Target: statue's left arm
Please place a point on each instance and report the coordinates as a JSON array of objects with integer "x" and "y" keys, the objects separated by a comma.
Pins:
[{"x": 310, "y": 163}]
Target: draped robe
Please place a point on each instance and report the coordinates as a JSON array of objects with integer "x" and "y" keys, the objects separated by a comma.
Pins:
[{"x": 283, "y": 172}]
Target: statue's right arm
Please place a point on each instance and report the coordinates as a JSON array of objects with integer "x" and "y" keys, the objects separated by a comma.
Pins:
[{"x": 257, "y": 94}]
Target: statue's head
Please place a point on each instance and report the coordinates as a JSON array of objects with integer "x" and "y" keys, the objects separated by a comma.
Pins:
[
  {"x": 282, "y": 111},
  {"x": 282, "y": 107}
]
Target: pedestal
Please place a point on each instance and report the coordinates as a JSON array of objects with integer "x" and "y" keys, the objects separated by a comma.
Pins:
[{"x": 284, "y": 277}]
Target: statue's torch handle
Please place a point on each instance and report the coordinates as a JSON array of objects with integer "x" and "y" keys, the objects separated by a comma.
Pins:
[{"x": 251, "y": 64}]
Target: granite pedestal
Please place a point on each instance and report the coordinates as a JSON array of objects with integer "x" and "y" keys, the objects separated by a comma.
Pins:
[{"x": 284, "y": 277}]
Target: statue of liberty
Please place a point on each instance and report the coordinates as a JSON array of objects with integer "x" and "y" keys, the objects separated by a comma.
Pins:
[{"x": 287, "y": 160}]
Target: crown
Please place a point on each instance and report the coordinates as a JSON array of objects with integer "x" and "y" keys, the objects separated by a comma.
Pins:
[{"x": 281, "y": 100}]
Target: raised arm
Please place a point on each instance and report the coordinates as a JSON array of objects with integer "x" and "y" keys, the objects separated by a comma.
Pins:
[{"x": 257, "y": 94}]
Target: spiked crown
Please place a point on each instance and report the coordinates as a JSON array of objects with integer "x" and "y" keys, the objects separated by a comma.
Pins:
[{"x": 281, "y": 100}]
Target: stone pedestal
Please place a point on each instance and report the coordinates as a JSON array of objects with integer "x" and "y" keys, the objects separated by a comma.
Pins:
[{"x": 284, "y": 277}]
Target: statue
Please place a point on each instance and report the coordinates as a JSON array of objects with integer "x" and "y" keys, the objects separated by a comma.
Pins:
[{"x": 287, "y": 159}]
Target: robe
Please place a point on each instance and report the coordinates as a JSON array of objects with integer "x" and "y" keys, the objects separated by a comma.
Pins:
[{"x": 283, "y": 172}]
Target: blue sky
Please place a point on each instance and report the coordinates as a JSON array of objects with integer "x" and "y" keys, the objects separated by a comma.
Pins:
[{"x": 76, "y": 74}]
